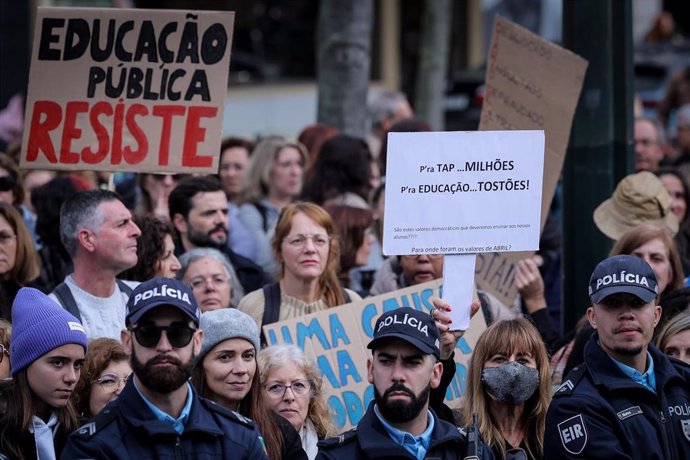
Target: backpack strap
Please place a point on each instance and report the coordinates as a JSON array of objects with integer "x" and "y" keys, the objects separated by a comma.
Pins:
[
  {"x": 271, "y": 307},
  {"x": 263, "y": 210},
  {"x": 124, "y": 287},
  {"x": 64, "y": 295}
]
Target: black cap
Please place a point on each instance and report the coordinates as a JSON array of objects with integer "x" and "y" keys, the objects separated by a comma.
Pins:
[
  {"x": 623, "y": 273},
  {"x": 160, "y": 292},
  {"x": 413, "y": 326}
]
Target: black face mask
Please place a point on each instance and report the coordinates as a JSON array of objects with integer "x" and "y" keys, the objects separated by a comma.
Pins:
[{"x": 511, "y": 383}]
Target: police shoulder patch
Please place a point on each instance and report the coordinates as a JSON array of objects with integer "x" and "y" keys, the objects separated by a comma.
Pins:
[
  {"x": 87, "y": 430},
  {"x": 573, "y": 434},
  {"x": 339, "y": 440}
]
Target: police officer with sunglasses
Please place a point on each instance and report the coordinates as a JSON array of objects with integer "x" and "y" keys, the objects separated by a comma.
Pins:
[{"x": 158, "y": 414}]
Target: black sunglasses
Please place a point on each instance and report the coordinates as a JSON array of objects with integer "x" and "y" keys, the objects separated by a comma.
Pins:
[{"x": 179, "y": 335}]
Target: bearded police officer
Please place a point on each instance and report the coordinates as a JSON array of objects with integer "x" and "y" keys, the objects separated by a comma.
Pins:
[
  {"x": 404, "y": 367},
  {"x": 628, "y": 400},
  {"x": 158, "y": 414}
]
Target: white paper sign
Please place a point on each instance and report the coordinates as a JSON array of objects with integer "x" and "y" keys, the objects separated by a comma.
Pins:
[
  {"x": 463, "y": 192},
  {"x": 458, "y": 287}
]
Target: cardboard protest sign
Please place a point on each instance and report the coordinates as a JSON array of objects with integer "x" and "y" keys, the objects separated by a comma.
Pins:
[
  {"x": 127, "y": 90},
  {"x": 530, "y": 84},
  {"x": 336, "y": 340},
  {"x": 471, "y": 192}
]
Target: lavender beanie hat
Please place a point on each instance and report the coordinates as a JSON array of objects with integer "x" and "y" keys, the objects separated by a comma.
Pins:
[{"x": 40, "y": 325}]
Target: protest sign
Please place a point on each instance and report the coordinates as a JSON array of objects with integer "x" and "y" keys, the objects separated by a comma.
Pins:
[
  {"x": 336, "y": 340},
  {"x": 470, "y": 192},
  {"x": 127, "y": 90},
  {"x": 530, "y": 84}
]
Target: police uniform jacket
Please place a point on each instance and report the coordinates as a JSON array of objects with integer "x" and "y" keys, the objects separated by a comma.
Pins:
[
  {"x": 370, "y": 440},
  {"x": 127, "y": 429},
  {"x": 599, "y": 412}
]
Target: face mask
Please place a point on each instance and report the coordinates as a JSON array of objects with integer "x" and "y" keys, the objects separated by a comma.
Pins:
[{"x": 511, "y": 383}]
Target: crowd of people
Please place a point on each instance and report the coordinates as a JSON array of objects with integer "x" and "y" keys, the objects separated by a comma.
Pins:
[{"x": 130, "y": 319}]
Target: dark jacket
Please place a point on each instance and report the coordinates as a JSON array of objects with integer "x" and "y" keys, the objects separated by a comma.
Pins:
[
  {"x": 127, "y": 429},
  {"x": 27, "y": 444},
  {"x": 599, "y": 412},
  {"x": 292, "y": 444},
  {"x": 369, "y": 440}
]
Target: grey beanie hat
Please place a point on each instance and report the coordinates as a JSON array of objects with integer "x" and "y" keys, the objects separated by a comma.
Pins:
[{"x": 224, "y": 324}]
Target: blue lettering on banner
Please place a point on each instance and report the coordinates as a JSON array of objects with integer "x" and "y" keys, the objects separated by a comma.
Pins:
[
  {"x": 344, "y": 365},
  {"x": 314, "y": 328},
  {"x": 369, "y": 315},
  {"x": 348, "y": 407},
  {"x": 337, "y": 331}
]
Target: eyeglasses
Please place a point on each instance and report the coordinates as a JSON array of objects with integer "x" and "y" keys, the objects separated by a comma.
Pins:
[
  {"x": 298, "y": 387},
  {"x": 299, "y": 240},
  {"x": 6, "y": 238},
  {"x": 3, "y": 352},
  {"x": 111, "y": 382},
  {"x": 217, "y": 281},
  {"x": 179, "y": 335},
  {"x": 645, "y": 143},
  {"x": 430, "y": 256}
]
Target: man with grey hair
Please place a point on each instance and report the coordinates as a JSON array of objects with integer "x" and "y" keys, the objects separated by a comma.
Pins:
[
  {"x": 649, "y": 143},
  {"x": 99, "y": 235},
  {"x": 385, "y": 109}
]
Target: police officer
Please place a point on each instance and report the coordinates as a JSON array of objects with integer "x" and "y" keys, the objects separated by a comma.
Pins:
[
  {"x": 158, "y": 414},
  {"x": 628, "y": 400},
  {"x": 398, "y": 424}
]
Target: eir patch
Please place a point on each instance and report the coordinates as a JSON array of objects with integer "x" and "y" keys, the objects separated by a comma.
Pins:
[{"x": 573, "y": 434}]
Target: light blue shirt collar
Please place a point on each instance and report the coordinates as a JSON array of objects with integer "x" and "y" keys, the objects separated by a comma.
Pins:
[
  {"x": 647, "y": 380},
  {"x": 177, "y": 423},
  {"x": 415, "y": 445}
]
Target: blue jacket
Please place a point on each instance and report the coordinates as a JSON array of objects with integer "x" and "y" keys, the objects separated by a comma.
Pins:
[
  {"x": 599, "y": 412},
  {"x": 369, "y": 440},
  {"x": 127, "y": 429}
]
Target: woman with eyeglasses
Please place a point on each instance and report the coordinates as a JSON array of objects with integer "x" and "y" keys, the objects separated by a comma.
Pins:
[
  {"x": 225, "y": 371},
  {"x": 291, "y": 387},
  {"x": 212, "y": 278},
  {"x": 308, "y": 251},
  {"x": 47, "y": 351},
  {"x": 105, "y": 372},
  {"x": 19, "y": 262}
]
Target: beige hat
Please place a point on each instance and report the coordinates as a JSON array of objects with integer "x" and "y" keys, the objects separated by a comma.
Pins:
[{"x": 638, "y": 199}]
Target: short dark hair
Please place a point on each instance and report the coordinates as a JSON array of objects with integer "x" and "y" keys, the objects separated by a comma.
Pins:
[
  {"x": 180, "y": 199},
  {"x": 233, "y": 142},
  {"x": 81, "y": 211}
]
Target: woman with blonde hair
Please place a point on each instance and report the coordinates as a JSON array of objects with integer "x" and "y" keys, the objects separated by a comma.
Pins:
[
  {"x": 308, "y": 251},
  {"x": 283, "y": 368},
  {"x": 674, "y": 338},
  {"x": 509, "y": 389},
  {"x": 274, "y": 180}
]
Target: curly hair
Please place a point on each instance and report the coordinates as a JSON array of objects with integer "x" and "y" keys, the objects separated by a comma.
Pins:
[
  {"x": 508, "y": 337},
  {"x": 150, "y": 248},
  {"x": 328, "y": 284},
  {"x": 277, "y": 356},
  {"x": 100, "y": 354}
]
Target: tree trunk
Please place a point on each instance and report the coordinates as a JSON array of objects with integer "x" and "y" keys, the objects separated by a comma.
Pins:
[
  {"x": 344, "y": 59},
  {"x": 433, "y": 63}
]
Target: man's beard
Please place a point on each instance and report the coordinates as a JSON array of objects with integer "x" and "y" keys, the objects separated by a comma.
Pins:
[
  {"x": 399, "y": 411},
  {"x": 162, "y": 380},
  {"x": 632, "y": 351},
  {"x": 201, "y": 239}
]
